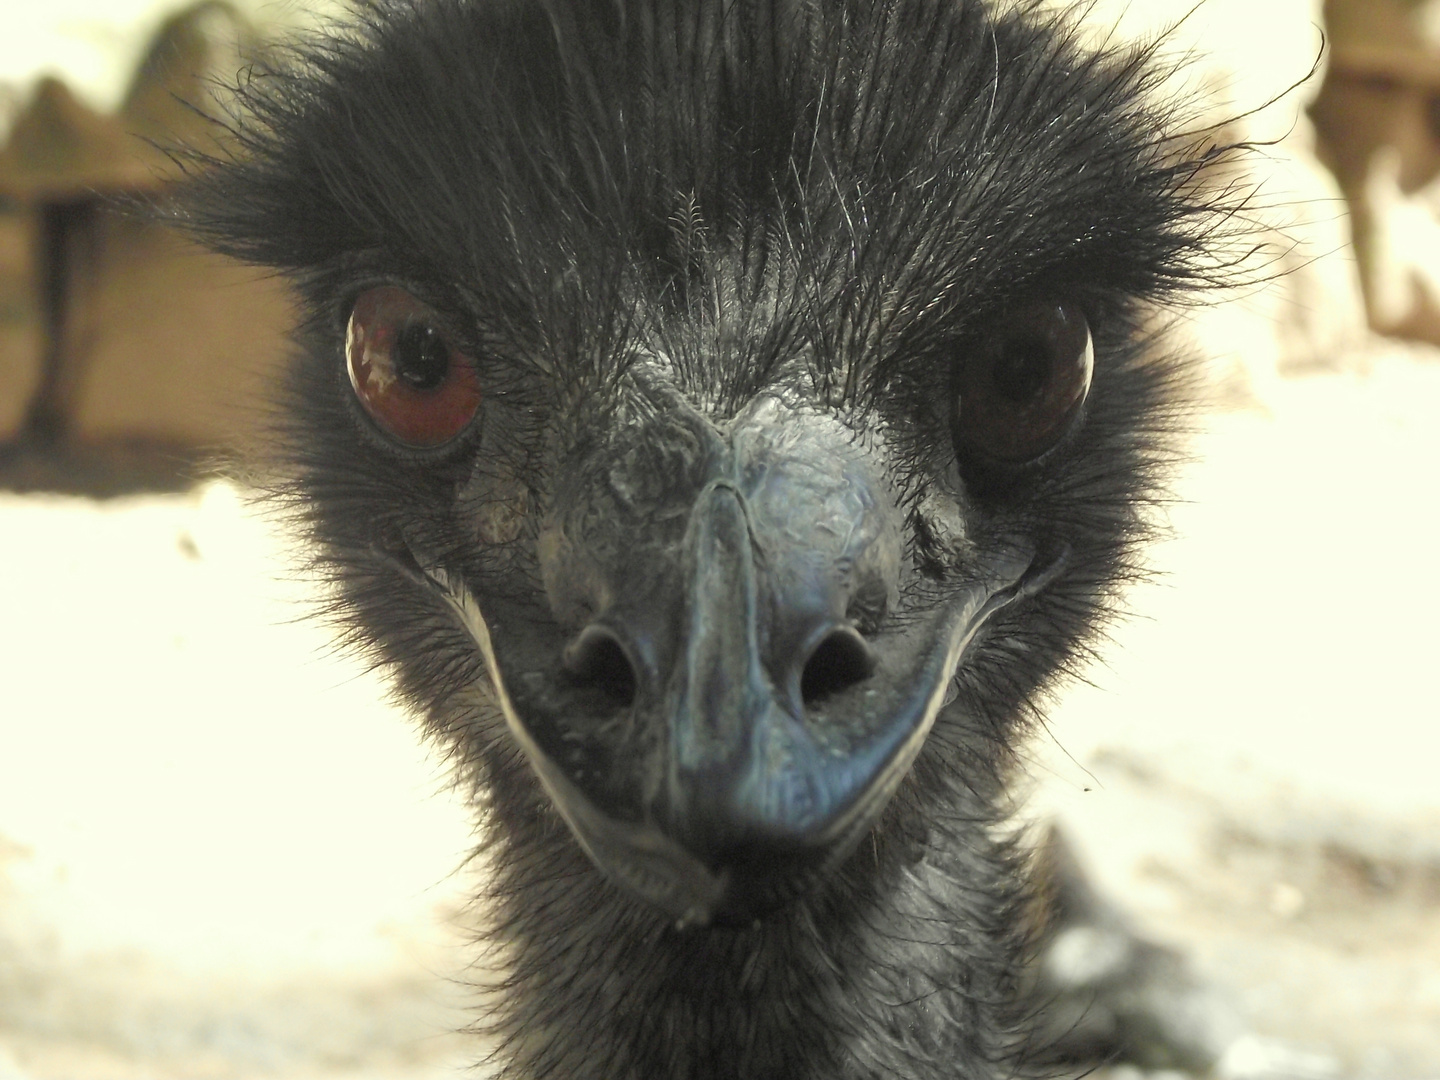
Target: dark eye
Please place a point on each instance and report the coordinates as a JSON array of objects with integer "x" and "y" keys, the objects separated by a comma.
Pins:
[
  {"x": 413, "y": 382},
  {"x": 1017, "y": 394}
]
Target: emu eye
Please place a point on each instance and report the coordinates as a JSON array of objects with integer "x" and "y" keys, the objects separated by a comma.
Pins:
[
  {"x": 413, "y": 382},
  {"x": 1015, "y": 397}
]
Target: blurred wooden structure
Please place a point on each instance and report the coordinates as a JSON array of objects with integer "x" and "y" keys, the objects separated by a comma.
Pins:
[
  {"x": 119, "y": 338},
  {"x": 1378, "y": 122}
]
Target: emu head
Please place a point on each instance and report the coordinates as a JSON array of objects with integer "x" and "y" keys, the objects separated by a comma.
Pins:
[{"x": 752, "y": 395}]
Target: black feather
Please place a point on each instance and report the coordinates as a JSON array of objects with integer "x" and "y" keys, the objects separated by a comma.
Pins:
[{"x": 856, "y": 190}]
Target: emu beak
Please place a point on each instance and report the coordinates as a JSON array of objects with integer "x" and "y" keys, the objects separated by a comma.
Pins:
[{"x": 753, "y": 733}]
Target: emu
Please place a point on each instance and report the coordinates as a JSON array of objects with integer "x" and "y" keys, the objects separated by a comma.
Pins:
[{"x": 726, "y": 419}]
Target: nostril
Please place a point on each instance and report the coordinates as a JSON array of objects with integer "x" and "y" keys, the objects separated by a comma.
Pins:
[
  {"x": 597, "y": 660},
  {"x": 840, "y": 660}
]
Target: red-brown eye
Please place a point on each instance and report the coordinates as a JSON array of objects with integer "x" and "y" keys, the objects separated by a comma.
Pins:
[
  {"x": 413, "y": 382},
  {"x": 1016, "y": 395}
]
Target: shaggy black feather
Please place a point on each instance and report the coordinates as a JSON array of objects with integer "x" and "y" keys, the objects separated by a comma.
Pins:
[{"x": 853, "y": 190}]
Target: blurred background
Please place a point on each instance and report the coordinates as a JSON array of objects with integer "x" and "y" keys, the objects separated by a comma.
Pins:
[{"x": 222, "y": 854}]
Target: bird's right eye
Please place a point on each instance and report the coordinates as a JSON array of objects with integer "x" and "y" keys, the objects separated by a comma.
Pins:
[{"x": 416, "y": 385}]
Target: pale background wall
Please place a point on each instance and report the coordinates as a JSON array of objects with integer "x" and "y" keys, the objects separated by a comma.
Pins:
[{"x": 94, "y": 44}]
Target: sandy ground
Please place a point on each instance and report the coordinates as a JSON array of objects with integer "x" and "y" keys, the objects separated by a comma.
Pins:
[
  {"x": 1257, "y": 772},
  {"x": 221, "y": 852},
  {"x": 222, "y": 855}
]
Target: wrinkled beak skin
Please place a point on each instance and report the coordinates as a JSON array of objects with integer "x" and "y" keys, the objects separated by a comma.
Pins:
[{"x": 734, "y": 677}]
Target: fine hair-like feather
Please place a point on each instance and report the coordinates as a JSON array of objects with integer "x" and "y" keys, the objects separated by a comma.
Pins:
[{"x": 844, "y": 196}]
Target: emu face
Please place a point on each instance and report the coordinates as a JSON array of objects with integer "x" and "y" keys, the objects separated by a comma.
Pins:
[{"x": 737, "y": 409}]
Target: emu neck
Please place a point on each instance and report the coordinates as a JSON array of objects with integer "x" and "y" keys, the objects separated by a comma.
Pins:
[{"x": 903, "y": 964}]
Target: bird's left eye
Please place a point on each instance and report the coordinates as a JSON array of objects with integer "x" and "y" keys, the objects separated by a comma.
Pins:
[
  {"x": 414, "y": 383},
  {"x": 1015, "y": 396}
]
